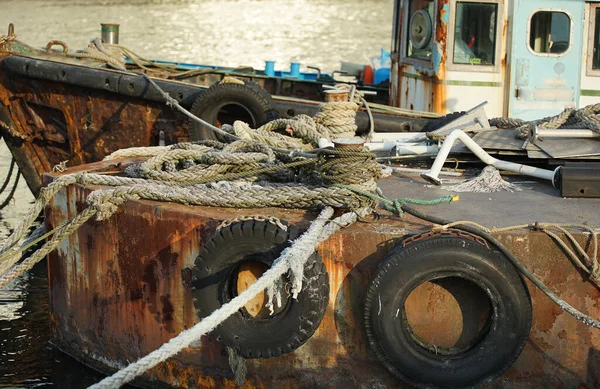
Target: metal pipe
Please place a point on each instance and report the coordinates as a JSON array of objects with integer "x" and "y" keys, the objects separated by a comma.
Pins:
[
  {"x": 432, "y": 174},
  {"x": 536, "y": 133},
  {"x": 416, "y": 149},
  {"x": 412, "y": 170},
  {"x": 568, "y": 134},
  {"x": 403, "y": 148},
  {"x": 380, "y": 146}
]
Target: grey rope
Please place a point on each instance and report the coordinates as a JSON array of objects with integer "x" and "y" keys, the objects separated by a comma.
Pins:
[{"x": 584, "y": 118}]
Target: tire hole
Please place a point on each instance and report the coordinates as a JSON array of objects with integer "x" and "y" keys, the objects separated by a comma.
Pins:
[
  {"x": 448, "y": 315},
  {"x": 229, "y": 113},
  {"x": 245, "y": 275}
]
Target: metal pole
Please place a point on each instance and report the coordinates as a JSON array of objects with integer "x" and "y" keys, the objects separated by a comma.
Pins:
[{"x": 536, "y": 133}]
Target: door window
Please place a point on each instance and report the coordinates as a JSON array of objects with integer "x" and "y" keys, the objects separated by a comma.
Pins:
[
  {"x": 475, "y": 33},
  {"x": 550, "y": 32},
  {"x": 420, "y": 29}
]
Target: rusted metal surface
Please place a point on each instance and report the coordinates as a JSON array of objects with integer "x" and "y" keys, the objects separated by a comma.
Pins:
[
  {"x": 438, "y": 84},
  {"x": 120, "y": 289},
  {"x": 55, "y": 108},
  {"x": 51, "y": 122},
  {"x": 419, "y": 87},
  {"x": 336, "y": 96},
  {"x": 438, "y": 103}
]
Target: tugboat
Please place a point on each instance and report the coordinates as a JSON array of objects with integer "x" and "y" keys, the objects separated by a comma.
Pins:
[{"x": 429, "y": 299}]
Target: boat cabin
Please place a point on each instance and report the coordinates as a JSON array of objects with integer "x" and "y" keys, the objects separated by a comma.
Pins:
[{"x": 528, "y": 58}]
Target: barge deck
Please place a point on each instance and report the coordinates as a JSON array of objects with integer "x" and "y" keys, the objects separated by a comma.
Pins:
[{"x": 119, "y": 290}]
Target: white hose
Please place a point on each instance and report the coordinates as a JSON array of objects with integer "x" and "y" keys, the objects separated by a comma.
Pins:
[{"x": 432, "y": 174}]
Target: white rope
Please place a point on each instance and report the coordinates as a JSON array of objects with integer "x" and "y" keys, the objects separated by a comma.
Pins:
[{"x": 294, "y": 258}]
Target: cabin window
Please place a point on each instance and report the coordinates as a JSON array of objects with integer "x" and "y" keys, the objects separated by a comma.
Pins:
[
  {"x": 550, "y": 32},
  {"x": 596, "y": 48},
  {"x": 420, "y": 29},
  {"x": 475, "y": 33}
]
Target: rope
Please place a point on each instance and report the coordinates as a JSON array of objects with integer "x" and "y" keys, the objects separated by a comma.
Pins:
[
  {"x": 113, "y": 56},
  {"x": 292, "y": 258},
  {"x": 196, "y": 174},
  {"x": 49, "y": 246},
  {"x": 488, "y": 181},
  {"x": 584, "y": 118},
  {"x": 585, "y": 319},
  {"x": 395, "y": 205},
  {"x": 590, "y": 266},
  {"x": 7, "y": 38}
]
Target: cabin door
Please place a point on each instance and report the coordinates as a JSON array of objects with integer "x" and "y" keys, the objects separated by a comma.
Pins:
[{"x": 545, "y": 57}]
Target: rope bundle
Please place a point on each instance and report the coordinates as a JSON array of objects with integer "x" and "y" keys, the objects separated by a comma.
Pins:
[
  {"x": 585, "y": 118},
  {"x": 113, "y": 55},
  {"x": 243, "y": 174}
]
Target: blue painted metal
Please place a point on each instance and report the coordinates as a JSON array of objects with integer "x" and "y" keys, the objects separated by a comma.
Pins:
[
  {"x": 544, "y": 84},
  {"x": 270, "y": 68},
  {"x": 268, "y": 71},
  {"x": 295, "y": 69}
]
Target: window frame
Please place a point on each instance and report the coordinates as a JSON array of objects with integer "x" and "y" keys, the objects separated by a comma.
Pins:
[
  {"x": 404, "y": 58},
  {"x": 500, "y": 25},
  {"x": 590, "y": 71},
  {"x": 396, "y": 20},
  {"x": 571, "y": 33}
]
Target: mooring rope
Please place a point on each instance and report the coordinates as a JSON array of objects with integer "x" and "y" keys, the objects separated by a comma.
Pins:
[
  {"x": 113, "y": 56},
  {"x": 591, "y": 266},
  {"x": 199, "y": 178},
  {"x": 584, "y": 118}
]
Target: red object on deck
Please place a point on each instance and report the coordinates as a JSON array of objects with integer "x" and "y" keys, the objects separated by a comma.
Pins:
[{"x": 368, "y": 75}]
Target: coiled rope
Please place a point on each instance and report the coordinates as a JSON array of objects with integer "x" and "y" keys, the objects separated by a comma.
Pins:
[{"x": 195, "y": 174}]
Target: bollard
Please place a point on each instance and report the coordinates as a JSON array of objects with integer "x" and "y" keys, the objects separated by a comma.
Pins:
[{"x": 110, "y": 33}]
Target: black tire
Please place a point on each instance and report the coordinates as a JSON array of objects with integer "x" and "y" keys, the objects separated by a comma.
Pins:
[
  {"x": 436, "y": 124},
  {"x": 214, "y": 275},
  {"x": 489, "y": 355},
  {"x": 254, "y": 101}
]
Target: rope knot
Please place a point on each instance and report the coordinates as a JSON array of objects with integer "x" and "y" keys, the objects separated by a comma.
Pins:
[{"x": 397, "y": 204}]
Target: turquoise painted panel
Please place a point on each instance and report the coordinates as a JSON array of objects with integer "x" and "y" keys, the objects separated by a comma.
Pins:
[{"x": 546, "y": 57}]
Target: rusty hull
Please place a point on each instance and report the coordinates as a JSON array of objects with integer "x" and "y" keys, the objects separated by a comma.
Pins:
[
  {"x": 45, "y": 123},
  {"x": 55, "y": 109},
  {"x": 120, "y": 289}
]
